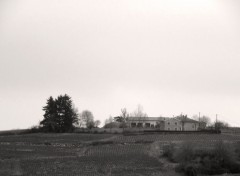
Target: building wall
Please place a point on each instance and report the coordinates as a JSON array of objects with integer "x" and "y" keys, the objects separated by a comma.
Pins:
[
  {"x": 142, "y": 123},
  {"x": 189, "y": 126},
  {"x": 167, "y": 124},
  {"x": 173, "y": 125}
]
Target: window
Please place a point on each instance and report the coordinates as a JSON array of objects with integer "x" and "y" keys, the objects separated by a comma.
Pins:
[
  {"x": 133, "y": 125},
  {"x": 147, "y": 125},
  {"x": 175, "y": 123},
  {"x": 168, "y": 129},
  {"x": 168, "y": 123},
  {"x": 175, "y": 129}
]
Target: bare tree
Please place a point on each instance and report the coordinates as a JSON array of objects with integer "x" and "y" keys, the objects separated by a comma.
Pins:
[
  {"x": 87, "y": 119},
  {"x": 109, "y": 123},
  {"x": 204, "y": 119},
  {"x": 109, "y": 120},
  {"x": 122, "y": 118},
  {"x": 97, "y": 123},
  {"x": 124, "y": 114},
  {"x": 220, "y": 125},
  {"x": 75, "y": 109},
  {"x": 139, "y": 114}
]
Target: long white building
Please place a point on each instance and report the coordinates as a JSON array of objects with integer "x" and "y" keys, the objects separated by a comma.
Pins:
[{"x": 181, "y": 123}]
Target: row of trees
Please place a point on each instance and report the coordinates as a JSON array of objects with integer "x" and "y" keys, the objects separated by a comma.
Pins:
[
  {"x": 61, "y": 116},
  {"x": 218, "y": 124}
]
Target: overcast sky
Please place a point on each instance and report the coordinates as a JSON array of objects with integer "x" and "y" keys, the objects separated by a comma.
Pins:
[{"x": 170, "y": 56}]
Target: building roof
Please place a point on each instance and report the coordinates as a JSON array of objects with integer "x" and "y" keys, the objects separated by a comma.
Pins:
[
  {"x": 151, "y": 118},
  {"x": 186, "y": 119},
  {"x": 147, "y": 118},
  {"x": 180, "y": 118}
]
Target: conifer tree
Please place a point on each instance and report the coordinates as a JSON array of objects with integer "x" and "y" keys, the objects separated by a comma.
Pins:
[
  {"x": 60, "y": 114},
  {"x": 49, "y": 121}
]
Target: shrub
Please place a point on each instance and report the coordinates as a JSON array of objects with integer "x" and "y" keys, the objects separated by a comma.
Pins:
[
  {"x": 237, "y": 150},
  {"x": 218, "y": 160},
  {"x": 95, "y": 132},
  {"x": 47, "y": 143},
  {"x": 34, "y": 129},
  {"x": 168, "y": 151},
  {"x": 190, "y": 170},
  {"x": 184, "y": 153}
]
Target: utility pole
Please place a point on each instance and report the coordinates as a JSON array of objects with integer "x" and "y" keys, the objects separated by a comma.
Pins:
[
  {"x": 216, "y": 125},
  {"x": 199, "y": 120}
]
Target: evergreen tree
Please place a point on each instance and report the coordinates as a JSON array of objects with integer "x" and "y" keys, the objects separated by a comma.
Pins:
[
  {"x": 49, "y": 121},
  {"x": 66, "y": 113},
  {"x": 60, "y": 114}
]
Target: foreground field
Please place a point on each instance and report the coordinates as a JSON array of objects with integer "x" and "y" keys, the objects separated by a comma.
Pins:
[{"x": 92, "y": 154}]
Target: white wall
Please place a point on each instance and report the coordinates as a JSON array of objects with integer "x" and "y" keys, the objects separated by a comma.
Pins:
[
  {"x": 173, "y": 125},
  {"x": 188, "y": 126}
]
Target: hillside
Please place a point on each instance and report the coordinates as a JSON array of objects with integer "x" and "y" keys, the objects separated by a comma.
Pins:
[{"x": 92, "y": 154}]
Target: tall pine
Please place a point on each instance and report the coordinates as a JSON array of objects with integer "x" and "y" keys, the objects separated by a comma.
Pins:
[
  {"x": 60, "y": 114},
  {"x": 50, "y": 116}
]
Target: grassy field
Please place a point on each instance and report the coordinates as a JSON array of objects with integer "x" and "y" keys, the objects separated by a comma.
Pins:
[{"x": 92, "y": 154}]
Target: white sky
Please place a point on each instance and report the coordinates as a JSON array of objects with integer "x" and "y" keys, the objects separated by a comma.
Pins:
[{"x": 170, "y": 56}]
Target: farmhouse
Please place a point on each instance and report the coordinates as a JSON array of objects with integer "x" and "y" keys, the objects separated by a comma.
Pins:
[
  {"x": 189, "y": 124},
  {"x": 181, "y": 123}
]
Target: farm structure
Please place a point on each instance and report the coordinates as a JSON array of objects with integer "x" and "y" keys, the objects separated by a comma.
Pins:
[{"x": 165, "y": 123}]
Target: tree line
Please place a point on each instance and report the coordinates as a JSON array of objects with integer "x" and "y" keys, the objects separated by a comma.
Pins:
[{"x": 60, "y": 115}]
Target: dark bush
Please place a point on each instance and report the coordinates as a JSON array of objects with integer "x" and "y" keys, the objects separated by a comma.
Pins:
[
  {"x": 168, "y": 151},
  {"x": 47, "y": 143},
  {"x": 34, "y": 129},
  {"x": 95, "y": 132},
  {"x": 237, "y": 150},
  {"x": 217, "y": 160},
  {"x": 184, "y": 153},
  {"x": 190, "y": 170}
]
